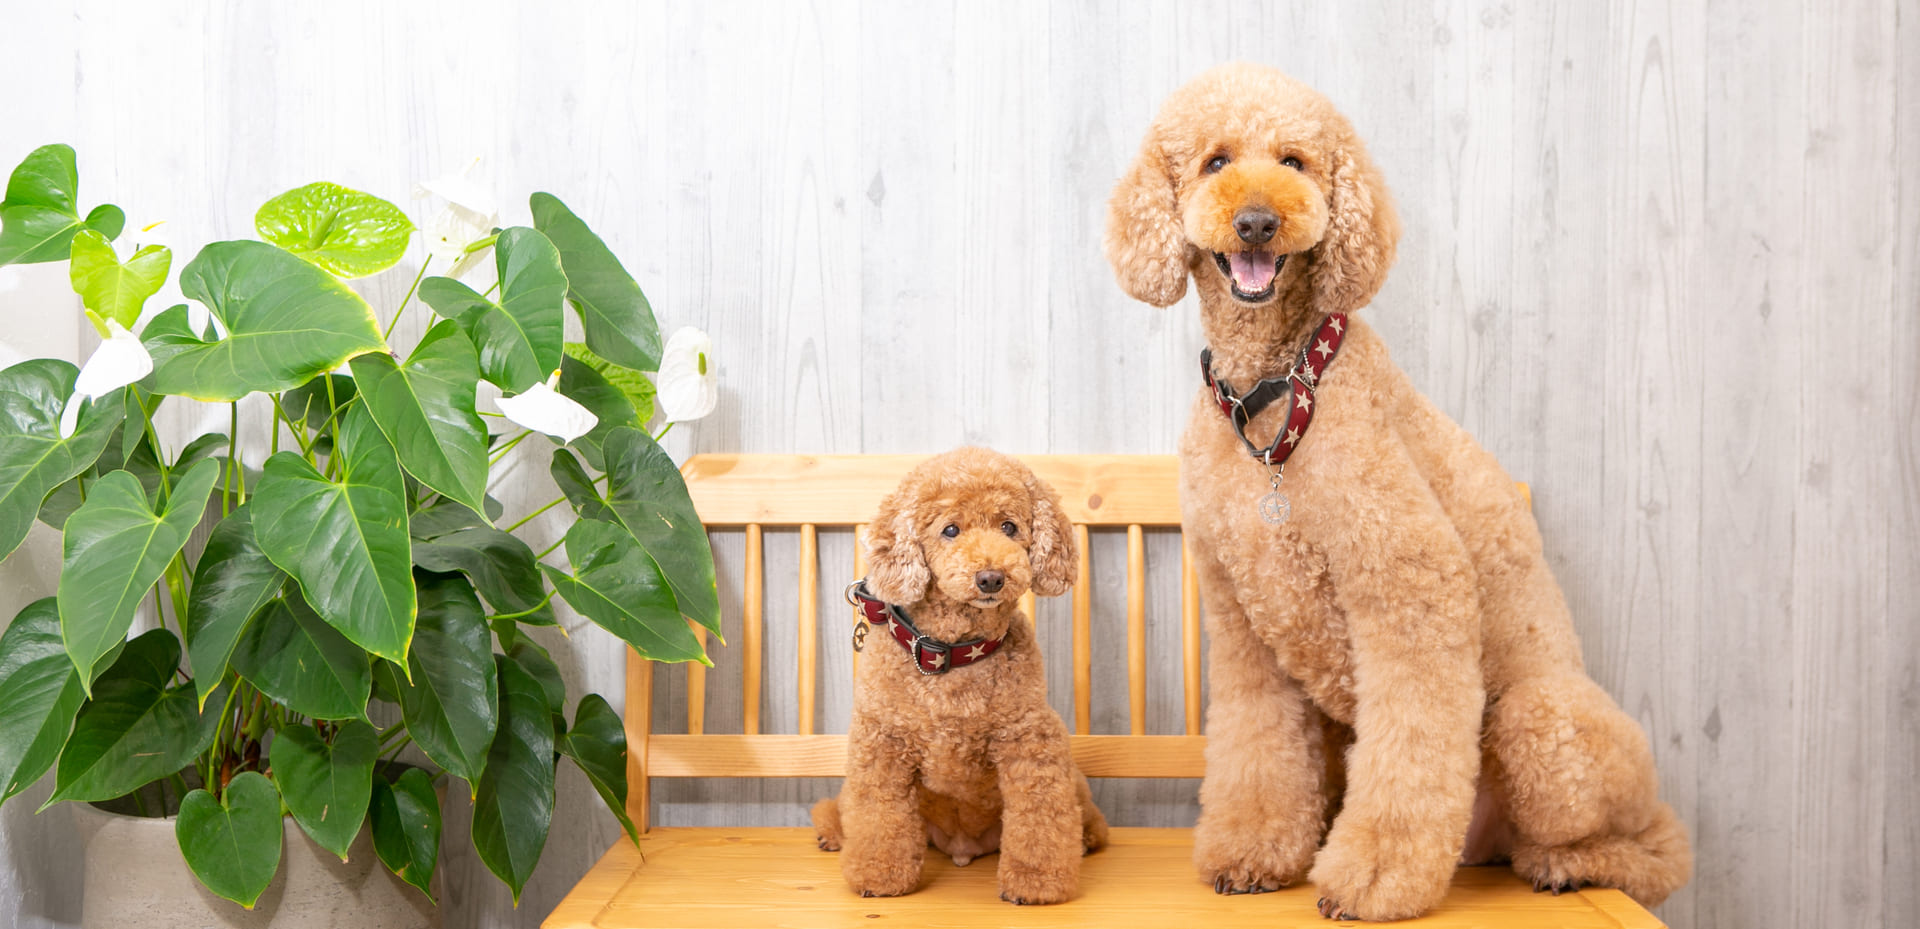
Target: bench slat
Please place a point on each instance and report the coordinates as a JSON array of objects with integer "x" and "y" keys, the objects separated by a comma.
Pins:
[
  {"x": 709, "y": 878},
  {"x": 714, "y": 755}
]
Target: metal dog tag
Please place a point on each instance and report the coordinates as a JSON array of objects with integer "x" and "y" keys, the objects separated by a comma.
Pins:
[{"x": 1275, "y": 507}]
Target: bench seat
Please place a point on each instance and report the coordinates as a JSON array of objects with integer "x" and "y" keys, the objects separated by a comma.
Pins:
[{"x": 722, "y": 878}]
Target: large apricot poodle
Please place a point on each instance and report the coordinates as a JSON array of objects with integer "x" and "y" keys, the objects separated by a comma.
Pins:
[
  {"x": 952, "y": 742},
  {"x": 1377, "y": 569}
]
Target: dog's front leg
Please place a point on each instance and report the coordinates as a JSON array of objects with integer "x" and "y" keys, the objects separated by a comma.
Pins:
[
  {"x": 1041, "y": 836},
  {"x": 1262, "y": 806},
  {"x": 1407, "y": 589},
  {"x": 884, "y": 836}
]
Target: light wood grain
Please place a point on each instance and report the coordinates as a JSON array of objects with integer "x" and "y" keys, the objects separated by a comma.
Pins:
[
  {"x": 1136, "y": 630},
  {"x": 753, "y": 630},
  {"x": 726, "y": 878},
  {"x": 1190, "y": 639},
  {"x": 680, "y": 755},
  {"x": 1083, "y": 634},
  {"x": 808, "y": 626}
]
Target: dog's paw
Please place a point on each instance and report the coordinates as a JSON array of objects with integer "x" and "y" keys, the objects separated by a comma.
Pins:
[
  {"x": 880, "y": 878},
  {"x": 1237, "y": 860},
  {"x": 1361, "y": 877},
  {"x": 827, "y": 843},
  {"x": 1030, "y": 886}
]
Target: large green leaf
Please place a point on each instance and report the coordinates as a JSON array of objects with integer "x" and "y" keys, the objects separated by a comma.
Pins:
[
  {"x": 326, "y": 785},
  {"x": 135, "y": 729},
  {"x": 112, "y": 289},
  {"x": 233, "y": 583},
  {"x": 41, "y": 213},
  {"x": 341, "y": 230},
  {"x": 344, "y": 540},
  {"x": 579, "y": 488},
  {"x": 34, "y": 459},
  {"x": 405, "y": 817},
  {"x": 451, "y": 705},
  {"x": 315, "y": 401},
  {"x": 39, "y": 693},
  {"x": 232, "y": 843},
  {"x": 618, "y": 321},
  {"x": 585, "y": 386},
  {"x": 645, "y": 489},
  {"x": 534, "y": 659},
  {"x": 426, "y": 408},
  {"x": 520, "y": 337},
  {"x": 287, "y": 323},
  {"x": 116, "y": 547},
  {"x": 501, "y": 567},
  {"x": 513, "y": 803},
  {"x": 300, "y": 661},
  {"x": 598, "y": 745},
  {"x": 618, "y": 586},
  {"x": 635, "y": 386}
]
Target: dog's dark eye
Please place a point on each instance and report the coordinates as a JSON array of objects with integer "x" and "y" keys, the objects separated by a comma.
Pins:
[
  {"x": 1217, "y": 162},
  {"x": 1010, "y": 529},
  {"x": 1291, "y": 162},
  {"x": 952, "y": 531}
]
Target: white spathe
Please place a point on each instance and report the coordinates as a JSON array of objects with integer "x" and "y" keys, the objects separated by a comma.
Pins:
[
  {"x": 119, "y": 361},
  {"x": 468, "y": 217},
  {"x": 544, "y": 409},
  {"x": 689, "y": 388}
]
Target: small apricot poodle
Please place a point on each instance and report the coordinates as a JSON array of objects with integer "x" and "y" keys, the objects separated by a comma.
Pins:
[
  {"x": 1398, "y": 628},
  {"x": 952, "y": 742}
]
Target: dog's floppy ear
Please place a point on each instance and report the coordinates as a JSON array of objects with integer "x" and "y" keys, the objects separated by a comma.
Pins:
[
  {"x": 1363, "y": 230},
  {"x": 1053, "y": 554},
  {"x": 1144, "y": 242},
  {"x": 896, "y": 564}
]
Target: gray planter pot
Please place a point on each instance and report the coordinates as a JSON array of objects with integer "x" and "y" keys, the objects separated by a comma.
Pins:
[{"x": 136, "y": 877}]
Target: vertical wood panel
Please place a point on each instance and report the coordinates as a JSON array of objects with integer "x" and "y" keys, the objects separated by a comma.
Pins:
[
  {"x": 808, "y": 629},
  {"x": 752, "y": 632}
]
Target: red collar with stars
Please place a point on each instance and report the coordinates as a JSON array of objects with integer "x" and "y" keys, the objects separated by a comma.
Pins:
[
  {"x": 1297, "y": 385},
  {"x": 931, "y": 656}
]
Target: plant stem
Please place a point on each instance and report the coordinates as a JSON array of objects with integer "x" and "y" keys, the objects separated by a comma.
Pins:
[
  {"x": 237, "y": 475},
  {"x": 530, "y": 516},
  {"x": 508, "y": 447},
  {"x": 526, "y": 612},
  {"x": 405, "y": 300},
  {"x": 550, "y": 548},
  {"x": 663, "y": 431},
  {"x": 154, "y": 440},
  {"x": 298, "y": 430}
]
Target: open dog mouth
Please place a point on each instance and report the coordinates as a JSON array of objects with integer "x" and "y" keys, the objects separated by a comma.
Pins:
[{"x": 1251, "y": 274}]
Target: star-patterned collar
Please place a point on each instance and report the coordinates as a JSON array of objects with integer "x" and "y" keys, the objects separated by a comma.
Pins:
[
  {"x": 931, "y": 656},
  {"x": 1297, "y": 385}
]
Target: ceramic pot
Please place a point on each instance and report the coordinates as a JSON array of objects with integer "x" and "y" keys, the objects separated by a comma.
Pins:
[{"x": 136, "y": 877}]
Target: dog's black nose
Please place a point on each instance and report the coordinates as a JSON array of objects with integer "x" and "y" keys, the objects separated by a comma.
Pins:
[
  {"x": 1256, "y": 225},
  {"x": 989, "y": 582}
]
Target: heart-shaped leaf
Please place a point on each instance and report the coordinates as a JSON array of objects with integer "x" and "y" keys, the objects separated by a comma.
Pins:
[
  {"x": 426, "y": 408},
  {"x": 232, "y": 843},
  {"x": 635, "y": 386},
  {"x": 34, "y": 459},
  {"x": 298, "y": 660},
  {"x": 344, "y": 540},
  {"x": 520, "y": 337},
  {"x": 579, "y": 489},
  {"x": 618, "y": 586},
  {"x": 315, "y": 401},
  {"x": 405, "y": 817},
  {"x": 341, "y": 230},
  {"x": 326, "y": 785},
  {"x": 41, "y": 213},
  {"x": 135, "y": 729},
  {"x": 534, "y": 659},
  {"x": 112, "y": 289},
  {"x": 39, "y": 693},
  {"x": 115, "y": 548},
  {"x": 501, "y": 567},
  {"x": 287, "y": 323},
  {"x": 585, "y": 386},
  {"x": 451, "y": 704},
  {"x": 598, "y": 745},
  {"x": 233, "y": 583},
  {"x": 645, "y": 489},
  {"x": 513, "y": 802},
  {"x": 618, "y": 321}
]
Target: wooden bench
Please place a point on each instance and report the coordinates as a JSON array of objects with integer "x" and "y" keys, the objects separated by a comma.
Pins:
[{"x": 691, "y": 878}]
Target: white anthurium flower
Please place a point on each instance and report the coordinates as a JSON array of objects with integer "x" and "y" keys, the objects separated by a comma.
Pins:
[
  {"x": 688, "y": 385},
  {"x": 544, "y": 409},
  {"x": 119, "y": 361},
  {"x": 468, "y": 217}
]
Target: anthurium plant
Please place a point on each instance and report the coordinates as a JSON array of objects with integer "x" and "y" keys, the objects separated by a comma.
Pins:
[{"x": 361, "y": 592}]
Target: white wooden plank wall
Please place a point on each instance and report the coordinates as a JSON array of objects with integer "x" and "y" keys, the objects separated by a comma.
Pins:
[{"x": 1662, "y": 258}]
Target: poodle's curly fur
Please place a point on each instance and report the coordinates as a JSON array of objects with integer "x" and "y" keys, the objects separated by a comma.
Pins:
[
  {"x": 972, "y": 761},
  {"x": 1403, "y": 624}
]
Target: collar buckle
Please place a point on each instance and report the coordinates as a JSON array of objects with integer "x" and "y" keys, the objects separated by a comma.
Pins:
[{"x": 940, "y": 653}]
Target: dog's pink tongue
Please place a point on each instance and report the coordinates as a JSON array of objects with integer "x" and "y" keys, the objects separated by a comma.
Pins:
[{"x": 1252, "y": 270}]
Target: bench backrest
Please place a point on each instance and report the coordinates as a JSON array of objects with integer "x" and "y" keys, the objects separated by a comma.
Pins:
[{"x": 1130, "y": 493}]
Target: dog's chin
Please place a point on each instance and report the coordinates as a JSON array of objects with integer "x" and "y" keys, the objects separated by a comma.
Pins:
[
  {"x": 1253, "y": 275},
  {"x": 984, "y": 603}
]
